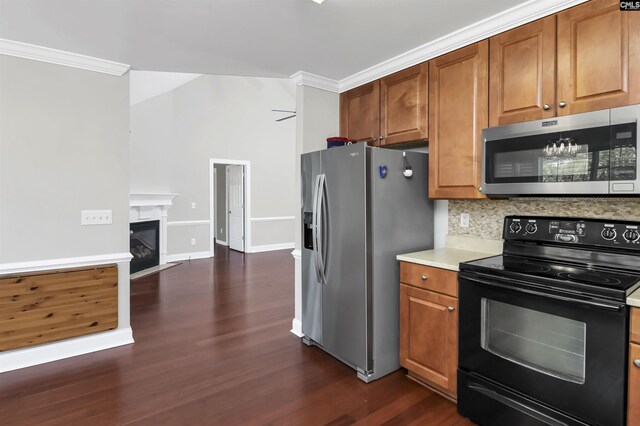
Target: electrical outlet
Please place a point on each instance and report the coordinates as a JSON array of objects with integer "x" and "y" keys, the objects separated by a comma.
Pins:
[
  {"x": 96, "y": 217},
  {"x": 193, "y": 241},
  {"x": 193, "y": 205},
  {"x": 221, "y": 230},
  {"x": 464, "y": 220}
]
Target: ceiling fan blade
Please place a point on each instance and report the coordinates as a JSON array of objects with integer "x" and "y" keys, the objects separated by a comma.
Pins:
[
  {"x": 286, "y": 118},
  {"x": 283, "y": 110}
]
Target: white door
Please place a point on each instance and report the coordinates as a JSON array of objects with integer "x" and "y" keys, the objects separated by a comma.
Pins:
[{"x": 235, "y": 194}]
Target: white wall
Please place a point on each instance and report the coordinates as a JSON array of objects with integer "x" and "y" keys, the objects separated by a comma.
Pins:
[
  {"x": 174, "y": 135},
  {"x": 64, "y": 147}
]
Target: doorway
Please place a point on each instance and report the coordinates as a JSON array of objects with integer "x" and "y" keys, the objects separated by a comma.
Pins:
[{"x": 230, "y": 204}]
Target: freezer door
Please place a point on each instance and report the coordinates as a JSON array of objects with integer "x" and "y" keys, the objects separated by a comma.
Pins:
[
  {"x": 345, "y": 296},
  {"x": 311, "y": 287}
]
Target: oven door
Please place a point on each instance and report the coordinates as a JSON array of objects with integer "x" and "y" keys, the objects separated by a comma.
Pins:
[{"x": 563, "y": 351}]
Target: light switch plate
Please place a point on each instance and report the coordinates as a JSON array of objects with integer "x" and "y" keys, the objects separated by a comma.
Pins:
[
  {"x": 96, "y": 217},
  {"x": 193, "y": 205}
]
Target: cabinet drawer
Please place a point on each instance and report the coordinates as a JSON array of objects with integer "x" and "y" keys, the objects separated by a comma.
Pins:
[
  {"x": 427, "y": 277},
  {"x": 634, "y": 329}
]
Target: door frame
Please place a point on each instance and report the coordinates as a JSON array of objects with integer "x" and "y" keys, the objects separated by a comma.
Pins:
[{"x": 247, "y": 201}]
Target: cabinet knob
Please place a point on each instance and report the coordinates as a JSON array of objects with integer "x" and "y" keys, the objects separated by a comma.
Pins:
[
  {"x": 546, "y": 107},
  {"x": 424, "y": 277},
  {"x": 562, "y": 104},
  {"x": 636, "y": 362},
  {"x": 380, "y": 137},
  {"x": 451, "y": 309},
  {"x": 480, "y": 188}
]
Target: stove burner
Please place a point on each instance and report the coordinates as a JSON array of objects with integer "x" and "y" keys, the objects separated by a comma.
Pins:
[
  {"x": 589, "y": 278},
  {"x": 528, "y": 267}
]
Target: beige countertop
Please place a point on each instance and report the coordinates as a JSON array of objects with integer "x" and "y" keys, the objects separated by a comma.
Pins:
[
  {"x": 634, "y": 298},
  {"x": 445, "y": 258}
]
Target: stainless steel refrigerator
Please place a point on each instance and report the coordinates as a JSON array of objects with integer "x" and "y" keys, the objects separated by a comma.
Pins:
[{"x": 358, "y": 212}]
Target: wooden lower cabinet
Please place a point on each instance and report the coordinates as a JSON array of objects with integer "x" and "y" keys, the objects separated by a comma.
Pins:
[
  {"x": 633, "y": 396},
  {"x": 429, "y": 337}
]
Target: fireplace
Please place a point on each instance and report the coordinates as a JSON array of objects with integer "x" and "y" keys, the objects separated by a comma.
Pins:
[{"x": 144, "y": 244}]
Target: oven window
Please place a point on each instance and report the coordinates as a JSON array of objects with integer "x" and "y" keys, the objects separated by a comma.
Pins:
[{"x": 546, "y": 343}]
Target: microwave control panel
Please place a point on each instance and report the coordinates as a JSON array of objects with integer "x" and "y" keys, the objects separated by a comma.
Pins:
[{"x": 597, "y": 232}]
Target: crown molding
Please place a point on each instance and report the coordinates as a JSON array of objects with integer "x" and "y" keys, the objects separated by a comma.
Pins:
[
  {"x": 59, "y": 57},
  {"x": 302, "y": 78},
  {"x": 503, "y": 21}
]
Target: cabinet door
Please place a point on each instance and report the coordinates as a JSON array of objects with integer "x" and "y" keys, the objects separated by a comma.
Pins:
[
  {"x": 429, "y": 336},
  {"x": 522, "y": 73},
  {"x": 403, "y": 105},
  {"x": 633, "y": 400},
  {"x": 598, "y": 57},
  {"x": 458, "y": 105},
  {"x": 360, "y": 113}
]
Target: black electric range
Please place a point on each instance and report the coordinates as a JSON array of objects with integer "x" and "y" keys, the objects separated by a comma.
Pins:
[{"x": 543, "y": 328}]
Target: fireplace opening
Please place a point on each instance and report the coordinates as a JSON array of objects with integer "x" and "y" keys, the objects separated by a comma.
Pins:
[{"x": 144, "y": 244}]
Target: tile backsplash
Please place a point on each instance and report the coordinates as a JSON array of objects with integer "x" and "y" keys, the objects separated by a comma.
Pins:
[{"x": 486, "y": 216}]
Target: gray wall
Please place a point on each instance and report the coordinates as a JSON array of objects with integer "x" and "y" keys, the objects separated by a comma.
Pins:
[
  {"x": 174, "y": 135},
  {"x": 221, "y": 200},
  {"x": 64, "y": 147}
]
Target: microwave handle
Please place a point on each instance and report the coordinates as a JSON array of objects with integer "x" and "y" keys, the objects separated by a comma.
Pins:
[{"x": 617, "y": 307}]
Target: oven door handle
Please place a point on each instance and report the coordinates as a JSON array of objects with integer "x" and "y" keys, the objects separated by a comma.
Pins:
[{"x": 617, "y": 307}]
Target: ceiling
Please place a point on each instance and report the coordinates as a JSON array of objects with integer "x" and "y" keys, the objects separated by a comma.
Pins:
[{"x": 267, "y": 38}]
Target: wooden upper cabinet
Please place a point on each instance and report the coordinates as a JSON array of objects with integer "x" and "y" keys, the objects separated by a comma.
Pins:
[
  {"x": 458, "y": 104},
  {"x": 598, "y": 57},
  {"x": 403, "y": 105},
  {"x": 360, "y": 113},
  {"x": 522, "y": 70}
]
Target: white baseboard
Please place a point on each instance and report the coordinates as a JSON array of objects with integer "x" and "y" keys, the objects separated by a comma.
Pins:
[
  {"x": 48, "y": 352},
  {"x": 271, "y": 247},
  {"x": 188, "y": 256},
  {"x": 222, "y": 243},
  {"x": 296, "y": 327}
]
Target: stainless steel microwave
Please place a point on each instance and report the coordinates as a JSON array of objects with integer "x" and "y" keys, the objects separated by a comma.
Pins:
[{"x": 593, "y": 153}]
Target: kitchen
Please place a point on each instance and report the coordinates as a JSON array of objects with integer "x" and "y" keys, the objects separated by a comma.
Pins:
[{"x": 455, "y": 163}]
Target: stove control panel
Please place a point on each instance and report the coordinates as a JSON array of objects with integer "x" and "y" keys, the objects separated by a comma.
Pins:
[{"x": 599, "y": 232}]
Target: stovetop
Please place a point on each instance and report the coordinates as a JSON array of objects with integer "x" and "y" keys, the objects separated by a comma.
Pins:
[{"x": 583, "y": 278}]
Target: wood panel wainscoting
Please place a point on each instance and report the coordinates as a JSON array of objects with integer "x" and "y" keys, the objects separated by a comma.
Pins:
[
  {"x": 213, "y": 347},
  {"x": 42, "y": 307}
]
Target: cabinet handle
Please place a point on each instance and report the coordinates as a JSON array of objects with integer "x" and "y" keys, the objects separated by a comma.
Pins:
[
  {"x": 636, "y": 362},
  {"x": 562, "y": 104},
  {"x": 546, "y": 107},
  {"x": 424, "y": 277},
  {"x": 451, "y": 309}
]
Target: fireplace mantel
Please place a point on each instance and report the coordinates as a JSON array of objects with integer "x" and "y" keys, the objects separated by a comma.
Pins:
[{"x": 152, "y": 206}]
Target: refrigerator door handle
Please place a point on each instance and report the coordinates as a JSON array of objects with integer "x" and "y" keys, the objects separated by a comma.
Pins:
[
  {"x": 314, "y": 225},
  {"x": 319, "y": 231}
]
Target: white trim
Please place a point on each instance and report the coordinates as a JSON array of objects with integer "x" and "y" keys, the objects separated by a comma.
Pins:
[
  {"x": 59, "y": 57},
  {"x": 222, "y": 243},
  {"x": 272, "y": 219},
  {"x": 188, "y": 222},
  {"x": 188, "y": 256},
  {"x": 247, "y": 200},
  {"x": 148, "y": 199},
  {"x": 296, "y": 327},
  {"x": 503, "y": 21},
  {"x": 302, "y": 78},
  {"x": 271, "y": 247},
  {"x": 62, "y": 263},
  {"x": 21, "y": 358},
  {"x": 297, "y": 254}
]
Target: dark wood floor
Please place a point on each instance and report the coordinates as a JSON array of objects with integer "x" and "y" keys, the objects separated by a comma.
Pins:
[{"x": 213, "y": 347}]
